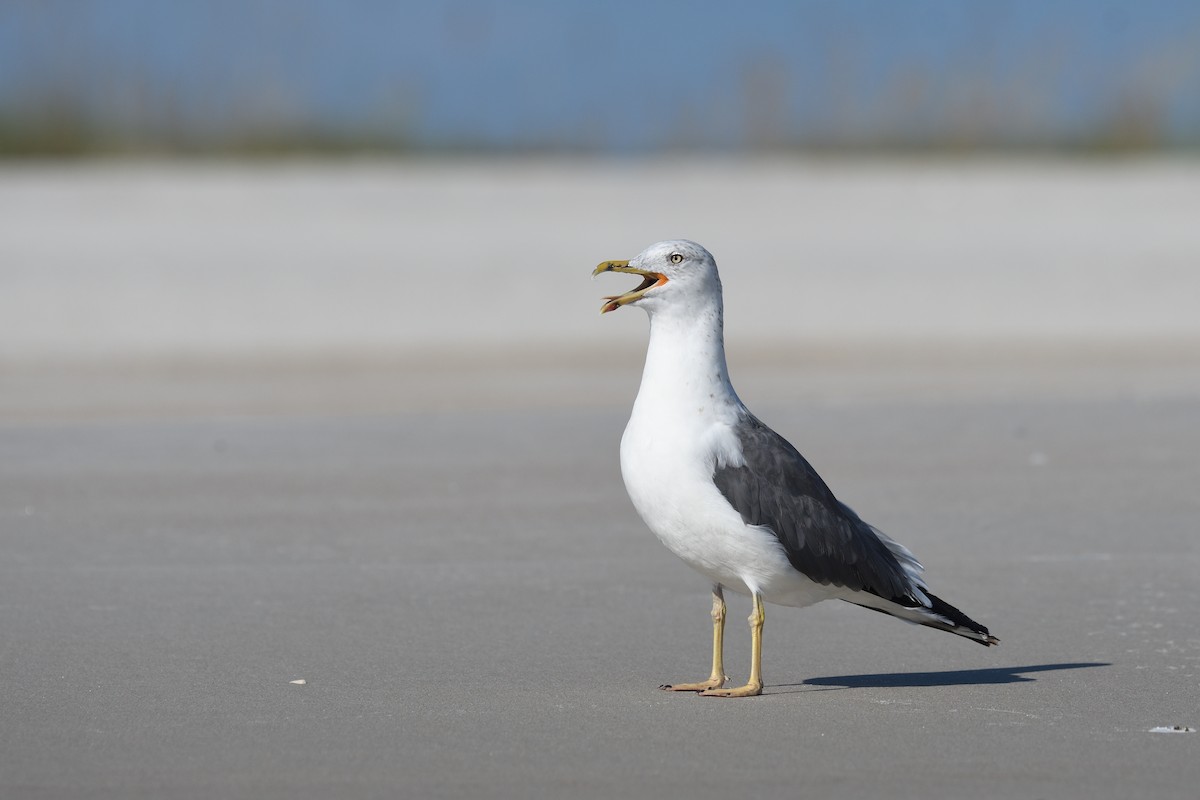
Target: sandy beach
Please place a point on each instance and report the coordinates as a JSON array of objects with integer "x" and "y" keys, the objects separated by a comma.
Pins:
[{"x": 357, "y": 425}]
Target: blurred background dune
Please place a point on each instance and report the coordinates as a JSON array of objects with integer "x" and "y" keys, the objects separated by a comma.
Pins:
[{"x": 317, "y": 205}]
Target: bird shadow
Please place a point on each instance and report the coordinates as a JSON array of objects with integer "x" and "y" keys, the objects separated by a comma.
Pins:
[{"x": 956, "y": 677}]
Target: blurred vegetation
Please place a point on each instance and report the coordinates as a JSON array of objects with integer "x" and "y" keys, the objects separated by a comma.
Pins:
[
  {"x": 910, "y": 116},
  {"x": 65, "y": 131},
  {"x": 70, "y": 136},
  {"x": 63, "y": 123}
]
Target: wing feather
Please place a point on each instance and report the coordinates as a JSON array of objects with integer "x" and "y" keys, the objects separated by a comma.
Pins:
[{"x": 777, "y": 489}]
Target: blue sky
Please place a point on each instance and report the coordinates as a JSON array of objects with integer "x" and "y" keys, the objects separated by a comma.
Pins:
[{"x": 620, "y": 75}]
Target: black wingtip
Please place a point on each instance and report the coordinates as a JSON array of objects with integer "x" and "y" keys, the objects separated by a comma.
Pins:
[{"x": 963, "y": 625}]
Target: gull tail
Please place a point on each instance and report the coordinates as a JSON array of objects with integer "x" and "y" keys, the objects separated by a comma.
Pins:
[{"x": 939, "y": 614}]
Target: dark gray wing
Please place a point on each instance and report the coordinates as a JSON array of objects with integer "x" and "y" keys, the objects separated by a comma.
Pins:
[{"x": 778, "y": 489}]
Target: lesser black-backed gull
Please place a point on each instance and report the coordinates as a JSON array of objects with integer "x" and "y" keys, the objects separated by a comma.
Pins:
[{"x": 731, "y": 497}]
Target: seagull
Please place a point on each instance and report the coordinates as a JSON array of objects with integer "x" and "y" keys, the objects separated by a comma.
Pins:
[{"x": 730, "y": 496}]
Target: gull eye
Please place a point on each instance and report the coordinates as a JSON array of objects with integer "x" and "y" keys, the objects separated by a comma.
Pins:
[{"x": 676, "y": 258}]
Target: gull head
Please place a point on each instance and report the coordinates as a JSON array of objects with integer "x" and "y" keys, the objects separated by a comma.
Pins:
[{"x": 675, "y": 274}]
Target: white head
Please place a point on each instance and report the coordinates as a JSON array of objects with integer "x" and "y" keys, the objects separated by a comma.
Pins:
[{"x": 677, "y": 274}]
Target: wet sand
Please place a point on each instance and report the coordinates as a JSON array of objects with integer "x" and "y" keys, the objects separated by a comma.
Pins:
[{"x": 477, "y": 611}]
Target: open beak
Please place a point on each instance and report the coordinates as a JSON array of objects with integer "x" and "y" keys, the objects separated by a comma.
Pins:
[{"x": 649, "y": 281}]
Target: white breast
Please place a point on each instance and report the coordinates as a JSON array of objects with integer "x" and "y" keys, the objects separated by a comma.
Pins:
[
  {"x": 681, "y": 430},
  {"x": 667, "y": 462}
]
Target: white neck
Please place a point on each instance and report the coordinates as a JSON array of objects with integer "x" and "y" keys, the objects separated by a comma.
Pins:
[{"x": 685, "y": 364}]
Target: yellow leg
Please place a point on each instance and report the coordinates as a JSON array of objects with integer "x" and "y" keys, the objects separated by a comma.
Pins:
[
  {"x": 717, "y": 677},
  {"x": 754, "y": 686}
]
